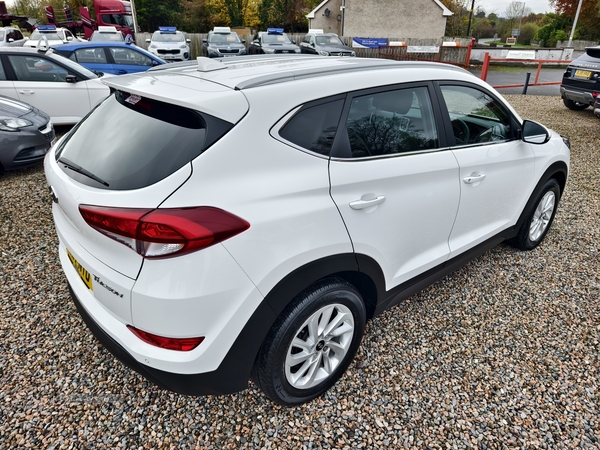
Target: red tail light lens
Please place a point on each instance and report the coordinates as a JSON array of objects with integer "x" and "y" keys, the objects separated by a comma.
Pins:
[
  {"x": 182, "y": 345},
  {"x": 155, "y": 233}
]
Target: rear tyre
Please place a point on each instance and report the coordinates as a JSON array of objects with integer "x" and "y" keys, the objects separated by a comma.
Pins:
[
  {"x": 312, "y": 343},
  {"x": 575, "y": 106},
  {"x": 540, "y": 217}
]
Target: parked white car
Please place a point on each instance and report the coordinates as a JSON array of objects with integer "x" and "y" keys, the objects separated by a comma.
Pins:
[
  {"x": 11, "y": 37},
  {"x": 61, "y": 88},
  {"x": 51, "y": 35},
  {"x": 169, "y": 44},
  {"x": 249, "y": 216}
]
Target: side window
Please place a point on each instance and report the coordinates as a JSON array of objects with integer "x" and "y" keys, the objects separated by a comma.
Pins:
[
  {"x": 34, "y": 68},
  {"x": 2, "y": 73},
  {"x": 475, "y": 116},
  {"x": 312, "y": 40},
  {"x": 391, "y": 122},
  {"x": 129, "y": 57},
  {"x": 314, "y": 127},
  {"x": 90, "y": 55},
  {"x": 306, "y": 39},
  {"x": 18, "y": 35}
]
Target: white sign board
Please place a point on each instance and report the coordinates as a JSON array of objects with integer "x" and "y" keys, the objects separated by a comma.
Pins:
[
  {"x": 422, "y": 49},
  {"x": 520, "y": 54}
]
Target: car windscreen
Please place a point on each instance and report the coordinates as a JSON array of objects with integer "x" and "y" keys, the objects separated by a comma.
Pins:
[
  {"x": 130, "y": 142},
  {"x": 276, "y": 39},
  {"x": 222, "y": 38},
  {"x": 329, "y": 40},
  {"x": 107, "y": 37},
  {"x": 51, "y": 36},
  {"x": 167, "y": 37}
]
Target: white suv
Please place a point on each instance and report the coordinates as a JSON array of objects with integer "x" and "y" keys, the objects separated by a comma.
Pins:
[{"x": 245, "y": 218}]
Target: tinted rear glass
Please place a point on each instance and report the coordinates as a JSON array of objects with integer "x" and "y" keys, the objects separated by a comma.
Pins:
[{"x": 131, "y": 142}]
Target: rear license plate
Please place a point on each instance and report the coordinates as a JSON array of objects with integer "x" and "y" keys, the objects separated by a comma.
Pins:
[
  {"x": 85, "y": 276},
  {"x": 583, "y": 74}
]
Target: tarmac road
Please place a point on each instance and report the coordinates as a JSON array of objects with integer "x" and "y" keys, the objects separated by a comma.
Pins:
[{"x": 498, "y": 76}]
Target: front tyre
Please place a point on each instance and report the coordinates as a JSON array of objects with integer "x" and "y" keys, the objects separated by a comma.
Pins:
[
  {"x": 312, "y": 343},
  {"x": 575, "y": 106},
  {"x": 538, "y": 221}
]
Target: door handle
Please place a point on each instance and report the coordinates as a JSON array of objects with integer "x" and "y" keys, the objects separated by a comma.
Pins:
[
  {"x": 121, "y": 72},
  {"x": 26, "y": 91},
  {"x": 473, "y": 178},
  {"x": 364, "y": 204}
]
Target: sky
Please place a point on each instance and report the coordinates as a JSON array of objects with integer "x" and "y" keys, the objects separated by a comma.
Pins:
[{"x": 499, "y": 6}]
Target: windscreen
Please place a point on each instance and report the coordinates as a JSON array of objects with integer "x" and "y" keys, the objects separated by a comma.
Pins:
[
  {"x": 167, "y": 37},
  {"x": 51, "y": 36},
  {"x": 276, "y": 39},
  {"x": 329, "y": 40},
  {"x": 129, "y": 142}
]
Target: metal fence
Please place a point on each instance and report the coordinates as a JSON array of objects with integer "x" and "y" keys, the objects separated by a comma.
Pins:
[{"x": 452, "y": 55}]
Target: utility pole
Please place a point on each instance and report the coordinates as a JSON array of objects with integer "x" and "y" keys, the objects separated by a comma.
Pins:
[
  {"x": 574, "y": 24},
  {"x": 134, "y": 16},
  {"x": 470, "y": 18}
]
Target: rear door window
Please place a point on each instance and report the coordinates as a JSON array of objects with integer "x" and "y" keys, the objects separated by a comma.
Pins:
[{"x": 130, "y": 142}]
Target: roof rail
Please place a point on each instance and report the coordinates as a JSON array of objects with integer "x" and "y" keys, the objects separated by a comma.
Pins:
[{"x": 291, "y": 75}]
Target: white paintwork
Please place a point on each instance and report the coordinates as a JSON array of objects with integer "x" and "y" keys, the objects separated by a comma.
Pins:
[
  {"x": 421, "y": 199},
  {"x": 65, "y": 103},
  {"x": 496, "y": 202}
]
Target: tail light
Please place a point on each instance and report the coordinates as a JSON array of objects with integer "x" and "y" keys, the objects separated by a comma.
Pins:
[
  {"x": 155, "y": 233},
  {"x": 180, "y": 344}
]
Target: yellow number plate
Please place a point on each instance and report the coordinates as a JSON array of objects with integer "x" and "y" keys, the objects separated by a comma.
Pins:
[
  {"x": 86, "y": 277},
  {"x": 583, "y": 74}
]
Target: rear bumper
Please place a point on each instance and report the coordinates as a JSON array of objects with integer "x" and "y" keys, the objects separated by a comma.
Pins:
[
  {"x": 220, "y": 381},
  {"x": 575, "y": 95}
]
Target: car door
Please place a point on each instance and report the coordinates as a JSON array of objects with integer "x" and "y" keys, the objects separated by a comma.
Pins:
[
  {"x": 496, "y": 168},
  {"x": 7, "y": 87},
  {"x": 42, "y": 83},
  {"x": 128, "y": 60},
  {"x": 394, "y": 182}
]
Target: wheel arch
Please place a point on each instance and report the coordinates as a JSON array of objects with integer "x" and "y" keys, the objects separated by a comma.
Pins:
[
  {"x": 558, "y": 171},
  {"x": 239, "y": 361}
]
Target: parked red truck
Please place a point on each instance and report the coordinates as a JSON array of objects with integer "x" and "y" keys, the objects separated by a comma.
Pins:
[{"x": 114, "y": 13}]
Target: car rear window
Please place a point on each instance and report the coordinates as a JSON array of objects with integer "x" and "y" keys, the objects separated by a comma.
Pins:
[{"x": 130, "y": 142}]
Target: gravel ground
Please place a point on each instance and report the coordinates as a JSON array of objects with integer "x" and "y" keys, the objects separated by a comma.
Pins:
[{"x": 503, "y": 353}]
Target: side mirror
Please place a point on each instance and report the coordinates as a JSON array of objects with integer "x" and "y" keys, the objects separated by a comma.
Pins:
[
  {"x": 11, "y": 40},
  {"x": 205, "y": 41},
  {"x": 148, "y": 41},
  {"x": 71, "y": 79},
  {"x": 312, "y": 44},
  {"x": 534, "y": 133},
  {"x": 255, "y": 41},
  {"x": 188, "y": 40},
  {"x": 69, "y": 38},
  {"x": 243, "y": 41}
]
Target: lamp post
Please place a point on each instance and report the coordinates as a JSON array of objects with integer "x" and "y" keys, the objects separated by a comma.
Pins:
[
  {"x": 574, "y": 24},
  {"x": 470, "y": 18}
]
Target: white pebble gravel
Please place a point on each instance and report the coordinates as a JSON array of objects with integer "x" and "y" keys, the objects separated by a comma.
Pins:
[{"x": 503, "y": 353}]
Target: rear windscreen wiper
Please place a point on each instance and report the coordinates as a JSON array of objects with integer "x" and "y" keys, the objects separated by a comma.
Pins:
[{"x": 76, "y": 168}]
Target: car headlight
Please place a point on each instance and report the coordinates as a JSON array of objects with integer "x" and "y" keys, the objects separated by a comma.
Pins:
[
  {"x": 182, "y": 46},
  {"x": 353, "y": 54},
  {"x": 152, "y": 46},
  {"x": 297, "y": 50},
  {"x": 243, "y": 51},
  {"x": 323, "y": 53},
  {"x": 12, "y": 124},
  {"x": 268, "y": 50},
  {"x": 213, "y": 51}
]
